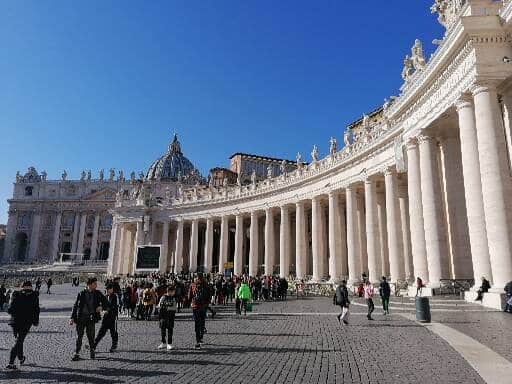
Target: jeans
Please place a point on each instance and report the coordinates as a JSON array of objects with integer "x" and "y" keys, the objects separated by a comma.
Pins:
[
  {"x": 82, "y": 327},
  {"x": 17, "y": 350},
  {"x": 344, "y": 313},
  {"x": 107, "y": 326},
  {"x": 385, "y": 303},
  {"x": 199, "y": 322},
  {"x": 244, "y": 306},
  {"x": 371, "y": 307},
  {"x": 166, "y": 328}
]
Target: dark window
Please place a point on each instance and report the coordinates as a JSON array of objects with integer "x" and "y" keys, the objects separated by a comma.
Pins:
[{"x": 28, "y": 191}]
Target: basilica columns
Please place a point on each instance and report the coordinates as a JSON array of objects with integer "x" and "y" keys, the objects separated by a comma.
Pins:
[
  {"x": 81, "y": 236},
  {"x": 224, "y": 241},
  {"x": 76, "y": 227},
  {"x": 394, "y": 228},
  {"x": 139, "y": 240},
  {"x": 208, "y": 245},
  {"x": 269, "y": 242},
  {"x": 354, "y": 264},
  {"x": 284, "y": 243},
  {"x": 194, "y": 233},
  {"x": 316, "y": 237},
  {"x": 239, "y": 244},
  {"x": 496, "y": 181},
  {"x": 372, "y": 232},
  {"x": 178, "y": 255},
  {"x": 300, "y": 240},
  {"x": 254, "y": 244},
  {"x": 335, "y": 236},
  {"x": 95, "y": 233},
  {"x": 54, "y": 255},
  {"x": 419, "y": 252},
  {"x": 164, "y": 249},
  {"x": 473, "y": 190}
]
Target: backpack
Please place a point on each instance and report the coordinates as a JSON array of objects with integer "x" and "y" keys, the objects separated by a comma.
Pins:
[
  {"x": 147, "y": 296},
  {"x": 200, "y": 294}
]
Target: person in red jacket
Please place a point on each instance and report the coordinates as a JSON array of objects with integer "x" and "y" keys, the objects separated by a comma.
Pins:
[{"x": 200, "y": 299}]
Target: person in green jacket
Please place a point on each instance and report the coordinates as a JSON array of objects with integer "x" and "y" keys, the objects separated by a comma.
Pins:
[{"x": 244, "y": 294}]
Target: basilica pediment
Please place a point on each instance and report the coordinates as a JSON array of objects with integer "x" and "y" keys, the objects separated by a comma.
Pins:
[{"x": 103, "y": 194}]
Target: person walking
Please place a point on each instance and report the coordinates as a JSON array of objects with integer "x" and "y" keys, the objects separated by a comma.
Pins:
[
  {"x": 385, "y": 293},
  {"x": 3, "y": 296},
  {"x": 484, "y": 288},
  {"x": 198, "y": 296},
  {"x": 244, "y": 294},
  {"x": 109, "y": 321},
  {"x": 341, "y": 299},
  {"x": 508, "y": 291},
  {"x": 419, "y": 286},
  {"x": 24, "y": 310},
  {"x": 368, "y": 295},
  {"x": 49, "y": 284},
  {"x": 38, "y": 284},
  {"x": 86, "y": 313},
  {"x": 166, "y": 314}
]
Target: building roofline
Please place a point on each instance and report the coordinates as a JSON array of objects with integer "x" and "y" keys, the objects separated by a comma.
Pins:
[
  {"x": 268, "y": 158},
  {"x": 358, "y": 121}
]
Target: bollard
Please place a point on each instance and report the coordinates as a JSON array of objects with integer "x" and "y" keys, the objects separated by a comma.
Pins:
[{"x": 423, "y": 309}]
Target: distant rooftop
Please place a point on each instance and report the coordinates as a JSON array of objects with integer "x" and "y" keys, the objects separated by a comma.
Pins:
[{"x": 257, "y": 157}]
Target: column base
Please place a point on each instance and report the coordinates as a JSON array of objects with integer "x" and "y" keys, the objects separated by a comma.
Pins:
[
  {"x": 425, "y": 292},
  {"x": 495, "y": 300}
]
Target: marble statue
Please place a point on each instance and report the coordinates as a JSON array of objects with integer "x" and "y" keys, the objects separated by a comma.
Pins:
[
  {"x": 366, "y": 123},
  {"x": 19, "y": 178},
  {"x": 299, "y": 160},
  {"x": 121, "y": 176},
  {"x": 132, "y": 177},
  {"x": 269, "y": 171},
  {"x": 89, "y": 175},
  {"x": 253, "y": 177},
  {"x": 282, "y": 167},
  {"x": 225, "y": 182},
  {"x": 111, "y": 174},
  {"x": 333, "y": 148},
  {"x": 346, "y": 138},
  {"x": 167, "y": 194},
  {"x": 44, "y": 175},
  {"x": 314, "y": 154},
  {"x": 82, "y": 176},
  {"x": 418, "y": 58},
  {"x": 102, "y": 174},
  {"x": 408, "y": 70},
  {"x": 64, "y": 175}
]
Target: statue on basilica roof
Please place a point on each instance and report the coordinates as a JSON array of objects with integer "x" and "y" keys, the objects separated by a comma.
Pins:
[{"x": 418, "y": 57}]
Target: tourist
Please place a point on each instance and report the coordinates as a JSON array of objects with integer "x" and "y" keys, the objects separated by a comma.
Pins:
[
  {"x": 341, "y": 299},
  {"x": 109, "y": 321},
  {"x": 508, "y": 303},
  {"x": 49, "y": 284},
  {"x": 368, "y": 295},
  {"x": 199, "y": 298},
  {"x": 149, "y": 301},
  {"x": 419, "y": 286},
  {"x": 167, "y": 312},
  {"x": 244, "y": 294},
  {"x": 38, "y": 284},
  {"x": 385, "y": 293},
  {"x": 86, "y": 313},
  {"x": 484, "y": 288},
  {"x": 3, "y": 297},
  {"x": 238, "y": 302},
  {"x": 24, "y": 311}
]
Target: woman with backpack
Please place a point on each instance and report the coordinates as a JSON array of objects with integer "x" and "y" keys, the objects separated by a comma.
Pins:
[{"x": 167, "y": 312}]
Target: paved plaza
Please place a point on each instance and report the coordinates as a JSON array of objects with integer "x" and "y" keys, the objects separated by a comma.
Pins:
[{"x": 298, "y": 341}]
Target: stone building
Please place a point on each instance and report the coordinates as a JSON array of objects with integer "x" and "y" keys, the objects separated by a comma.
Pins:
[
  {"x": 422, "y": 186},
  {"x": 3, "y": 231}
]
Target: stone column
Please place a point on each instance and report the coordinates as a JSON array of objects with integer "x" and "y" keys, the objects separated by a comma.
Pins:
[
  {"x": 343, "y": 240},
  {"x": 383, "y": 233},
  {"x": 95, "y": 234},
  {"x": 34, "y": 235},
  {"x": 372, "y": 232},
  {"x": 334, "y": 236},
  {"x": 403, "y": 203},
  {"x": 496, "y": 182},
  {"x": 434, "y": 221},
  {"x": 152, "y": 236},
  {"x": 269, "y": 242},
  {"x": 81, "y": 236},
  {"x": 224, "y": 242},
  {"x": 239, "y": 244},
  {"x": 462, "y": 265},
  {"x": 208, "y": 245},
  {"x": 316, "y": 237},
  {"x": 284, "y": 243},
  {"x": 178, "y": 255},
  {"x": 114, "y": 251},
  {"x": 139, "y": 240},
  {"x": 394, "y": 228},
  {"x": 10, "y": 237},
  {"x": 194, "y": 233},
  {"x": 473, "y": 190},
  {"x": 419, "y": 250},
  {"x": 164, "y": 248},
  {"x": 354, "y": 262},
  {"x": 76, "y": 228},
  {"x": 300, "y": 240},
  {"x": 54, "y": 255},
  {"x": 254, "y": 245},
  {"x": 361, "y": 232}
]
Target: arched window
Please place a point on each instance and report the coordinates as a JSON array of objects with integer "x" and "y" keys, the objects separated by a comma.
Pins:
[{"x": 29, "y": 190}]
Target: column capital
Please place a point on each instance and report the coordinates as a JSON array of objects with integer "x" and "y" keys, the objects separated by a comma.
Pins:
[
  {"x": 411, "y": 143},
  {"x": 463, "y": 102},
  {"x": 284, "y": 208},
  {"x": 389, "y": 171},
  {"x": 483, "y": 85},
  {"x": 422, "y": 139}
]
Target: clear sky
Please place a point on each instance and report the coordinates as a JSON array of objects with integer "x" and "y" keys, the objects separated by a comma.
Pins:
[{"x": 100, "y": 84}]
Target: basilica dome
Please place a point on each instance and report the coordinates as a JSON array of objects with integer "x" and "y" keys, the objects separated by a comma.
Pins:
[{"x": 173, "y": 166}]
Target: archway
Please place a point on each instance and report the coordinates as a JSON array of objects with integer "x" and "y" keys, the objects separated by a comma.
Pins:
[{"x": 20, "y": 250}]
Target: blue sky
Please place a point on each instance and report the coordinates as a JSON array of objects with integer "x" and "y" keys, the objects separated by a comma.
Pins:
[{"x": 100, "y": 84}]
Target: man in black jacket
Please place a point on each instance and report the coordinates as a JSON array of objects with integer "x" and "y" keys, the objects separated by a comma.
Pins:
[
  {"x": 385, "y": 293},
  {"x": 24, "y": 311},
  {"x": 109, "y": 322},
  {"x": 86, "y": 313},
  {"x": 341, "y": 299}
]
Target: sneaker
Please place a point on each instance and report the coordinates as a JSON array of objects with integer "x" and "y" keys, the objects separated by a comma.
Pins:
[
  {"x": 169, "y": 347},
  {"x": 12, "y": 367},
  {"x": 345, "y": 322},
  {"x": 339, "y": 318},
  {"x": 198, "y": 346},
  {"x": 161, "y": 346},
  {"x": 75, "y": 357},
  {"x": 22, "y": 360},
  {"x": 385, "y": 313},
  {"x": 370, "y": 318}
]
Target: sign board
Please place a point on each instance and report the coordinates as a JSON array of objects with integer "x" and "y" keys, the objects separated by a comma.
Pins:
[
  {"x": 148, "y": 258},
  {"x": 229, "y": 265}
]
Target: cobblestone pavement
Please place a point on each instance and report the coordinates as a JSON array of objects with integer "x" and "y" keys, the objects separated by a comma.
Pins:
[{"x": 298, "y": 341}]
